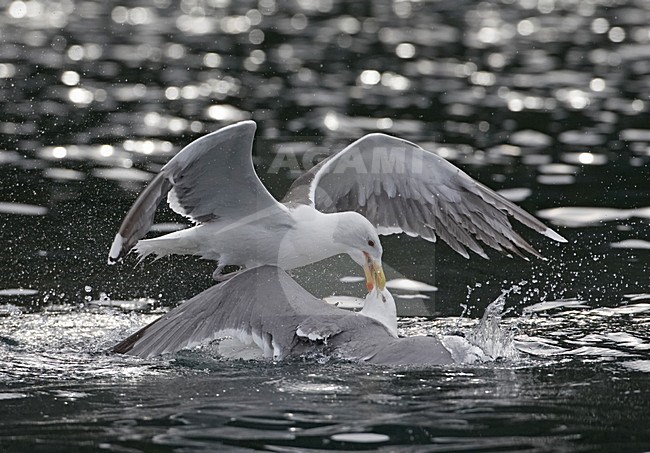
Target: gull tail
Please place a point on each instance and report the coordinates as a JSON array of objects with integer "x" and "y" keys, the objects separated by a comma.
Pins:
[
  {"x": 169, "y": 244},
  {"x": 139, "y": 218}
]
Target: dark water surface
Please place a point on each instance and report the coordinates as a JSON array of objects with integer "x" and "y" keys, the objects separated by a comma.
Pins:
[{"x": 546, "y": 100}]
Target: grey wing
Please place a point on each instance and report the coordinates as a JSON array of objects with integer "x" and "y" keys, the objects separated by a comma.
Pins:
[
  {"x": 212, "y": 177},
  {"x": 401, "y": 187},
  {"x": 139, "y": 219},
  {"x": 261, "y": 305},
  {"x": 419, "y": 350},
  {"x": 265, "y": 306}
]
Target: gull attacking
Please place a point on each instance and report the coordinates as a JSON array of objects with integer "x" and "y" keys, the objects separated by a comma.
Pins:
[{"x": 377, "y": 185}]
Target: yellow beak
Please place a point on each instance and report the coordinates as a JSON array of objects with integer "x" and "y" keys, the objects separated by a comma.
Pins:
[{"x": 375, "y": 277}]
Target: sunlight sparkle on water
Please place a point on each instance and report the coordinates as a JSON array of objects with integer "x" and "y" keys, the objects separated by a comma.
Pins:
[
  {"x": 22, "y": 209},
  {"x": 544, "y": 99},
  {"x": 361, "y": 438},
  {"x": 409, "y": 285},
  {"x": 18, "y": 292},
  {"x": 589, "y": 216},
  {"x": 59, "y": 152}
]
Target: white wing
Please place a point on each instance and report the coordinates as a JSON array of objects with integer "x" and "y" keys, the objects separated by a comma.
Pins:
[
  {"x": 212, "y": 177},
  {"x": 401, "y": 187}
]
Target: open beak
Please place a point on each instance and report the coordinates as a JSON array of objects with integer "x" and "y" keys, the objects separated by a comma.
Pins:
[{"x": 375, "y": 277}]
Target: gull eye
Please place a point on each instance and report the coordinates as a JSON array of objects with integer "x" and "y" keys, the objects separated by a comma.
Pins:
[{"x": 371, "y": 243}]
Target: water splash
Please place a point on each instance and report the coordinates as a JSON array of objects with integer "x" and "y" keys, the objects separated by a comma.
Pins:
[
  {"x": 495, "y": 339},
  {"x": 489, "y": 340}
]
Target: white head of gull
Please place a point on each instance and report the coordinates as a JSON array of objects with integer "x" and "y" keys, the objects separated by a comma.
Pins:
[
  {"x": 377, "y": 185},
  {"x": 266, "y": 308}
]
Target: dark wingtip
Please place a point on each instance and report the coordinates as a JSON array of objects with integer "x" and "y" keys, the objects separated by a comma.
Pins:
[
  {"x": 124, "y": 346},
  {"x": 553, "y": 235},
  {"x": 117, "y": 251}
]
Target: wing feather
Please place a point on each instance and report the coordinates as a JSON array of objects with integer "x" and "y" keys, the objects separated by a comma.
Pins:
[
  {"x": 262, "y": 304},
  {"x": 139, "y": 218},
  {"x": 211, "y": 178},
  {"x": 401, "y": 187}
]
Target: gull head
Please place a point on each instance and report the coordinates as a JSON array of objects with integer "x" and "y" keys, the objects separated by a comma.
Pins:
[{"x": 361, "y": 241}]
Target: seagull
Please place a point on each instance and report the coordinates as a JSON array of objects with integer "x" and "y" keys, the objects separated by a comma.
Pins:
[
  {"x": 264, "y": 308},
  {"x": 378, "y": 185}
]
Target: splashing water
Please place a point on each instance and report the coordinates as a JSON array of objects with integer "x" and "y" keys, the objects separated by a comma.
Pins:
[
  {"x": 489, "y": 340},
  {"x": 495, "y": 339}
]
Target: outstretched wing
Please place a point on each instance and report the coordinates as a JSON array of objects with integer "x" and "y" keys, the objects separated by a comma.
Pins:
[
  {"x": 262, "y": 305},
  {"x": 266, "y": 307},
  {"x": 401, "y": 187},
  {"x": 212, "y": 177}
]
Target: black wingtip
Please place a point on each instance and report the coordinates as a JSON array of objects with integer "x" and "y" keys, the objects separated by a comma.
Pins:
[
  {"x": 117, "y": 251},
  {"x": 124, "y": 346},
  {"x": 554, "y": 235}
]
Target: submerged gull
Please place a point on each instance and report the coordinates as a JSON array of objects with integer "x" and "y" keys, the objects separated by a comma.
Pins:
[
  {"x": 266, "y": 308},
  {"x": 377, "y": 185}
]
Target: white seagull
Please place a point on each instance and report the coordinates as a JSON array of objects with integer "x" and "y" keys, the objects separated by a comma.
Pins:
[{"x": 377, "y": 185}]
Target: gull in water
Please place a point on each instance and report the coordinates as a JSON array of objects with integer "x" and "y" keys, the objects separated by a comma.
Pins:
[
  {"x": 377, "y": 185},
  {"x": 265, "y": 308}
]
